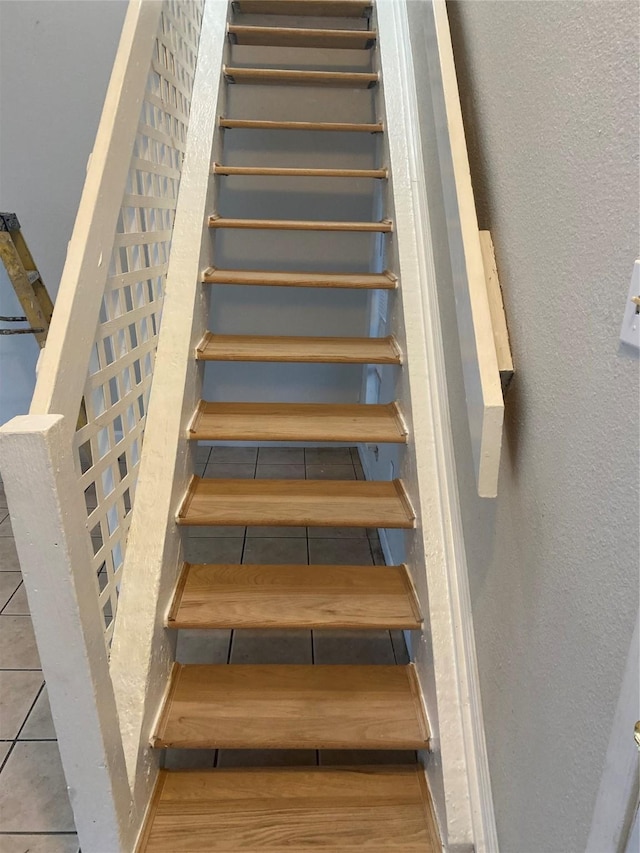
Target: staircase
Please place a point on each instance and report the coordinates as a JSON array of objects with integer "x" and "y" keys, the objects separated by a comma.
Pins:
[{"x": 265, "y": 706}]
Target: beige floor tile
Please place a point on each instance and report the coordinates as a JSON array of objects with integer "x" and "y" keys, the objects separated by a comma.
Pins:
[
  {"x": 18, "y": 605},
  {"x": 279, "y": 472},
  {"x": 39, "y": 725},
  {"x": 241, "y": 455},
  {"x": 275, "y": 551},
  {"x": 18, "y": 648},
  {"x": 337, "y": 532},
  {"x": 266, "y": 758},
  {"x": 202, "y": 646},
  {"x": 220, "y": 531},
  {"x": 8, "y": 555},
  {"x": 276, "y": 532},
  {"x": 18, "y": 691},
  {"x": 271, "y": 647},
  {"x": 335, "y": 552},
  {"x": 208, "y": 550},
  {"x": 33, "y": 794},
  {"x": 5, "y": 524},
  {"x": 327, "y": 456},
  {"x": 400, "y": 650},
  {"x": 349, "y": 757},
  {"x": 39, "y": 843},
  {"x": 330, "y": 472},
  {"x": 3, "y": 498},
  {"x": 202, "y": 453},
  {"x": 9, "y": 583},
  {"x": 5, "y": 746},
  {"x": 353, "y": 647},
  {"x": 189, "y": 759},
  {"x": 281, "y": 456},
  {"x": 231, "y": 471},
  {"x": 377, "y": 553}
]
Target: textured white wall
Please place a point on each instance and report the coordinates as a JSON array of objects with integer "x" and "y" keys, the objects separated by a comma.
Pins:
[
  {"x": 55, "y": 63},
  {"x": 549, "y": 94}
]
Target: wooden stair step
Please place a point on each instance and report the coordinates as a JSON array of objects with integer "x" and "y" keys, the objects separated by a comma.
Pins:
[
  {"x": 216, "y": 221},
  {"x": 290, "y": 706},
  {"x": 219, "y": 169},
  {"x": 302, "y": 37},
  {"x": 304, "y": 597},
  {"x": 286, "y": 809},
  {"x": 299, "y": 349},
  {"x": 365, "y": 281},
  {"x": 297, "y": 503},
  {"x": 331, "y": 126},
  {"x": 348, "y": 422},
  {"x": 294, "y": 77},
  {"x": 308, "y": 8}
]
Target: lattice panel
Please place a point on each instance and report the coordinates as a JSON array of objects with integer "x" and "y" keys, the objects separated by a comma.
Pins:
[{"x": 108, "y": 441}]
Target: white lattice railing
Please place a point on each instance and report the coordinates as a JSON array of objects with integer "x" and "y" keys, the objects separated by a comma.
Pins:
[
  {"x": 127, "y": 299},
  {"x": 71, "y": 466}
]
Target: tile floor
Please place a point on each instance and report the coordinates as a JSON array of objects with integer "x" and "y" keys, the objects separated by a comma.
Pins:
[{"x": 35, "y": 815}]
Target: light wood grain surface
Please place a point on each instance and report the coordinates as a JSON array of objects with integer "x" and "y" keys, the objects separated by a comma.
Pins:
[
  {"x": 290, "y": 596},
  {"x": 292, "y": 810},
  {"x": 302, "y": 349},
  {"x": 302, "y": 37},
  {"x": 297, "y": 503},
  {"x": 368, "y": 281},
  {"x": 278, "y": 76},
  {"x": 349, "y": 422},
  {"x": 216, "y": 221},
  {"x": 286, "y": 706},
  {"x": 312, "y": 8},
  {"x": 219, "y": 169},
  {"x": 332, "y": 126}
]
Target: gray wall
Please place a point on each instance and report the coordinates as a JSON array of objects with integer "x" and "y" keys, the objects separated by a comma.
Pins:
[
  {"x": 55, "y": 63},
  {"x": 549, "y": 95}
]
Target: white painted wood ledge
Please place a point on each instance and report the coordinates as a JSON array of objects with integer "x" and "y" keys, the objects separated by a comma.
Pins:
[{"x": 458, "y": 769}]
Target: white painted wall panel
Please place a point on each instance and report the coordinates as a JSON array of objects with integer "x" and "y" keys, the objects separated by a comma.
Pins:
[{"x": 549, "y": 95}]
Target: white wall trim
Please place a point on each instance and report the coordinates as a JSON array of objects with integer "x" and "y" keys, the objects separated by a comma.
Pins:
[
  {"x": 143, "y": 650},
  {"x": 617, "y": 799},
  {"x": 404, "y": 132}
]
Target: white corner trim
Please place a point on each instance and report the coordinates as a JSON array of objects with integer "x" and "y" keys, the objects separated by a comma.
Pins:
[
  {"x": 394, "y": 33},
  {"x": 617, "y": 798}
]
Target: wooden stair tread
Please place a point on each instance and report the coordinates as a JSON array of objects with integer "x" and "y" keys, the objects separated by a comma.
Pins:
[
  {"x": 299, "y": 349},
  {"x": 302, "y": 37},
  {"x": 216, "y": 221},
  {"x": 295, "y": 77},
  {"x": 308, "y": 8},
  {"x": 331, "y": 126},
  {"x": 281, "y": 171},
  {"x": 296, "y": 503},
  {"x": 290, "y": 706},
  {"x": 349, "y": 422},
  {"x": 369, "y": 281},
  {"x": 290, "y": 596},
  {"x": 301, "y": 809}
]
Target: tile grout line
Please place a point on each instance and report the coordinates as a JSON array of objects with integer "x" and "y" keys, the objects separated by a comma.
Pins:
[
  {"x": 8, "y": 601},
  {"x": 14, "y": 740}
]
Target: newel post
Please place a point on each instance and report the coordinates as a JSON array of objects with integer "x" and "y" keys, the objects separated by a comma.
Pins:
[{"x": 49, "y": 524}]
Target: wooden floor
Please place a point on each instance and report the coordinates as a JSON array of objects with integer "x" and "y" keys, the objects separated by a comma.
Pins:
[
  {"x": 270, "y": 278},
  {"x": 350, "y": 422},
  {"x": 287, "y": 706},
  {"x": 292, "y": 810},
  {"x": 331, "y": 126},
  {"x": 311, "y": 8},
  {"x": 303, "y": 349},
  {"x": 302, "y": 37},
  {"x": 297, "y": 503},
  {"x": 291, "y": 596},
  {"x": 281, "y": 76}
]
